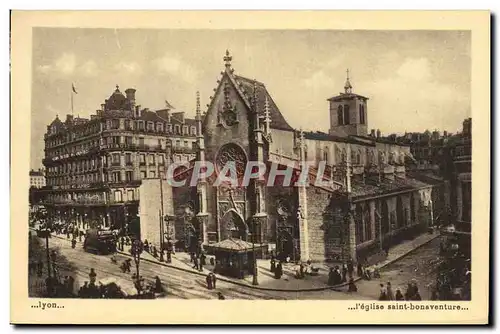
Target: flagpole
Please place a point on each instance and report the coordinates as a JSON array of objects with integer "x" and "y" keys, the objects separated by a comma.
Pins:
[{"x": 72, "y": 114}]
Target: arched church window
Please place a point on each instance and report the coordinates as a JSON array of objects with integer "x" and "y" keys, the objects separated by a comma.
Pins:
[
  {"x": 346, "y": 115},
  {"x": 362, "y": 118},
  {"x": 325, "y": 154},
  {"x": 340, "y": 115}
]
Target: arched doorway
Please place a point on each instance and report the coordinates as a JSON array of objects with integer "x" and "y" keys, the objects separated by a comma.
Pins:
[{"x": 233, "y": 226}]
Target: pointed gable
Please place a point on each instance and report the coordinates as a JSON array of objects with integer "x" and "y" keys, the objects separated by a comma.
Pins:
[
  {"x": 278, "y": 121},
  {"x": 245, "y": 90}
]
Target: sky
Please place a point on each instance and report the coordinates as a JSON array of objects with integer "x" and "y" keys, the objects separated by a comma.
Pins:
[{"x": 415, "y": 80}]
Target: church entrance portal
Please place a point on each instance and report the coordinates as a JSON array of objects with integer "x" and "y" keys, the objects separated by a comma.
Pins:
[{"x": 233, "y": 226}]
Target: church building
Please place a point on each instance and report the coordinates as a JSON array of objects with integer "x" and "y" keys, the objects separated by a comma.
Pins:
[{"x": 371, "y": 201}]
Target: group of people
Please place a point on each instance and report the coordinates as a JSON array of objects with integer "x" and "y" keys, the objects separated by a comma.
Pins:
[
  {"x": 411, "y": 293},
  {"x": 198, "y": 260},
  {"x": 276, "y": 267}
]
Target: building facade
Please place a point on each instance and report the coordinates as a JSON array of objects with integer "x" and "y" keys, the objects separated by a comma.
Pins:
[
  {"x": 37, "y": 178},
  {"x": 370, "y": 202},
  {"x": 94, "y": 167}
]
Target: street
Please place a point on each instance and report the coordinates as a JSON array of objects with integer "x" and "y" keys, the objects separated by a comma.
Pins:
[{"x": 185, "y": 285}]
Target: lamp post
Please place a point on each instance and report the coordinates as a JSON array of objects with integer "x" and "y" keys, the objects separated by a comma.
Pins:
[
  {"x": 136, "y": 250},
  {"x": 168, "y": 218},
  {"x": 256, "y": 220}
]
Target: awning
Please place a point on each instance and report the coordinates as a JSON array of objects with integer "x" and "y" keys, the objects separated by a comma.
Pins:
[{"x": 234, "y": 245}]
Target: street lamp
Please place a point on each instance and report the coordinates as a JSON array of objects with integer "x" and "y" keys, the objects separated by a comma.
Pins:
[
  {"x": 168, "y": 218},
  {"x": 256, "y": 220},
  {"x": 136, "y": 250}
]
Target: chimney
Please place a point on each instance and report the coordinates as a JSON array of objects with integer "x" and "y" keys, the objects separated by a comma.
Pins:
[
  {"x": 378, "y": 133},
  {"x": 372, "y": 133},
  {"x": 138, "y": 111},
  {"x": 130, "y": 92},
  {"x": 103, "y": 106},
  {"x": 69, "y": 118}
]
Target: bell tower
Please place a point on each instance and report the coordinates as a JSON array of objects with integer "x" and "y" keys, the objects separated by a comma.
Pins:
[{"x": 348, "y": 112}]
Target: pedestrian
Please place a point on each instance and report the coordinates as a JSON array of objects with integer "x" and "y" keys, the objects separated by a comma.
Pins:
[
  {"x": 92, "y": 276},
  {"x": 350, "y": 269},
  {"x": 220, "y": 296},
  {"x": 279, "y": 270},
  {"x": 352, "y": 286},
  {"x": 344, "y": 273},
  {"x": 71, "y": 284},
  {"x": 209, "y": 281},
  {"x": 331, "y": 277},
  {"x": 399, "y": 295},
  {"x": 73, "y": 243},
  {"x": 383, "y": 293},
  {"x": 158, "y": 285},
  {"x": 146, "y": 245},
  {"x": 416, "y": 295},
  {"x": 155, "y": 251},
  {"x": 203, "y": 258},
  {"x": 83, "y": 292},
  {"x": 301, "y": 270},
  {"x": 273, "y": 264},
  {"x": 191, "y": 255},
  {"x": 122, "y": 243},
  {"x": 195, "y": 263},
  {"x": 376, "y": 272},
  {"x": 360, "y": 269},
  {"x": 390, "y": 293},
  {"x": 214, "y": 280}
]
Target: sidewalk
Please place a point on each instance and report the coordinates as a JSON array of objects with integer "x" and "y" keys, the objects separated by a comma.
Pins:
[{"x": 288, "y": 282}]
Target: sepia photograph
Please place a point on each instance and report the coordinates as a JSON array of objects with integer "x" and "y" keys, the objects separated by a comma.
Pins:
[{"x": 255, "y": 164}]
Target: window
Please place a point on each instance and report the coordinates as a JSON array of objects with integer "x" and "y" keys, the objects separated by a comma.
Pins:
[
  {"x": 178, "y": 143},
  {"x": 159, "y": 127},
  {"x": 152, "y": 174},
  {"x": 151, "y": 159},
  {"x": 161, "y": 160},
  {"x": 325, "y": 155},
  {"x": 130, "y": 195},
  {"x": 141, "y": 141},
  {"x": 115, "y": 124},
  {"x": 142, "y": 159},
  {"x": 186, "y": 143},
  {"x": 116, "y": 140},
  {"x": 143, "y": 175},
  {"x": 346, "y": 115},
  {"x": 362, "y": 115},
  {"x": 193, "y": 130},
  {"x": 128, "y": 158},
  {"x": 169, "y": 128},
  {"x": 117, "y": 177},
  {"x": 340, "y": 115},
  {"x": 128, "y": 140},
  {"x": 116, "y": 159},
  {"x": 177, "y": 129},
  {"x": 185, "y": 130},
  {"x": 128, "y": 124},
  {"x": 151, "y": 126},
  {"x": 141, "y": 125},
  {"x": 118, "y": 196},
  {"x": 129, "y": 176}
]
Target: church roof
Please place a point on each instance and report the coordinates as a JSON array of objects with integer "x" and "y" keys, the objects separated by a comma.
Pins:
[
  {"x": 277, "y": 119},
  {"x": 346, "y": 96},
  {"x": 371, "y": 188}
]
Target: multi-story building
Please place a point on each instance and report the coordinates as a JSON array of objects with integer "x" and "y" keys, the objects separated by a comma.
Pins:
[
  {"x": 370, "y": 203},
  {"x": 94, "y": 167},
  {"x": 37, "y": 178}
]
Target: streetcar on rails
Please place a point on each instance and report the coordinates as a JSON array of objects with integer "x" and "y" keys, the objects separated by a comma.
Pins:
[{"x": 99, "y": 241}]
